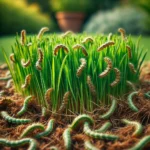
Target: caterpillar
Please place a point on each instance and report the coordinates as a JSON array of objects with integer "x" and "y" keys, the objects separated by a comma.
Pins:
[
  {"x": 31, "y": 128},
  {"x": 5, "y": 78},
  {"x": 118, "y": 77},
  {"x": 89, "y": 146},
  {"x": 95, "y": 135},
  {"x": 23, "y": 37},
  {"x": 58, "y": 47},
  {"x": 131, "y": 85},
  {"x": 41, "y": 55},
  {"x": 41, "y": 32},
  {"x": 107, "y": 44},
  {"x": 8, "y": 85},
  {"x": 66, "y": 34},
  {"x": 48, "y": 96},
  {"x": 88, "y": 40},
  {"x": 110, "y": 111},
  {"x": 44, "y": 111},
  {"x": 29, "y": 44},
  {"x": 129, "y": 51},
  {"x": 10, "y": 119},
  {"x": 81, "y": 68},
  {"x": 131, "y": 104},
  {"x": 123, "y": 33},
  {"x": 25, "y": 64},
  {"x": 80, "y": 119},
  {"x": 25, "y": 106},
  {"x": 138, "y": 127},
  {"x": 91, "y": 87},
  {"x": 64, "y": 102},
  {"x": 108, "y": 69},
  {"x": 48, "y": 130},
  {"x": 147, "y": 95},
  {"x": 27, "y": 81},
  {"x": 53, "y": 148},
  {"x": 142, "y": 143},
  {"x": 132, "y": 68},
  {"x": 67, "y": 138},
  {"x": 78, "y": 46},
  {"x": 12, "y": 57},
  {"x": 16, "y": 143},
  {"x": 104, "y": 127},
  {"x": 38, "y": 66},
  {"x": 109, "y": 36}
]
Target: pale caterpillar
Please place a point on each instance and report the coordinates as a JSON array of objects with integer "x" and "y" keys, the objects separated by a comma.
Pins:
[
  {"x": 131, "y": 104},
  {"x": 129, "y": 51},
  {"x": 25, "y": 64},
  {"x": 138, "y": 127},
  {"x": 81, "y": 119},
  {"x": 88, "y": 40},
  {"x": 117, "y": 80},
  {"x": 27, "y": 81},
  {"x": 110, "y": 111},
  {"x": 104, "y": 127},
  {"x": 142, "y": 143},
  {"x": 109, "y": 36},
  {"x": 66, "y": 34},
  {"x": 78, "y": 46},
  {"x": 10, "y": 119},
  {"x": 131, "y": 85},
  {"x": 48, "y": 95},
  {"x": 48, "y": 130},
  {"x": 107, "y": 44},
  {"x": 123, "y": 33},
  {"x": 60, "y": 46},
  {"x": 16, "y": 143},
  {"x": 132, "y": 68},
  {"x": 89, "y": 146},
  {"x": 23, "y": 37},
  {"x": 96, "y": 135},
  {"x": 25, "y": 106},
  {"x": 8, "y": 85},
  {"x": 31, "y": 128},
  {"x": 41, "y": 32},
  {"x": 147, "y": 95},
  {"x": 12, "y": 57},
  {"x": 67, "y": 139},
  {"x": 5, "y": 78},
  {"x": 108, "y": 69},
  {"x": 82, "y": 66},
  {"x": 44, "y": 111}
]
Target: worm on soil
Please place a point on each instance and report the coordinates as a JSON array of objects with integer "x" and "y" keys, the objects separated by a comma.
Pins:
[
  {"x": 88, "y": 146},
  {"x": 104, "y": 127},
  {"x": 67, "y": 139}
]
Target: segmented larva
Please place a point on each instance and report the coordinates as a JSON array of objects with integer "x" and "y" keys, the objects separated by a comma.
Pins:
[
  {"x": 27, "y": 81},
  {"x": 129, "y": 51},
  {"x": 48, "y": 130},
  {"x": 38, "y": 66},
  {"x": 111, "y": 110},
  {"x": 25, "y": 64},
  {"x": 81, "y": 119},
  {"x": 42, "y": 31},
  {"x": 88, "y": 40},
  {"x": 12, "y": 57},
  {"x": 60, "y": 46},
  {"x": 130, "y": 102},
  {"x": 41, "y": 55},
  {"x": 96, "y": 135},
  {"x": 109, "y": 36},
  {"x": 89, "y": 146},
  {"x": 48, "y": 96},
  {"x": 44, "y": 111},
  {"x": 132, "y": 68},
  {"x": 142, "y": 143},
  {"x": 108, "y": 69},
  {"x": 104, "y": 127},
  {"x": 67, "y": 138},
  {"x": 78, "y": 46},
  {"x": 91, "y": 86},
  {"x": 5, "y": 78},
  {"x": 107, "y": 44},
  {"x": 131, "y": 85},
  {"x": 118, "y": 77},
  {"x": 8, "y": 85},
  {"x": 25, "y": 106},
  {"x": 138, "y": 127},
  {"x": 23, "y": 37},
  {"x": 66, "y": 34},
  {"x": 123, "y": 33},
  {"x": 81, "y": 68},
  {"x": 31, "y": 128},
  {"x": 16, "y": 143},
  {"x": 147, "y": 95},
  {"x": 10, "y": 119}
]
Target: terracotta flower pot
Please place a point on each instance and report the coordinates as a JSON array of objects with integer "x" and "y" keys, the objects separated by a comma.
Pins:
[{"x": 70, "y": 21}]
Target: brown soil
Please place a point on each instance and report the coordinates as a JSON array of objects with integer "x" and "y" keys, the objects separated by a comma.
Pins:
[{"x": 11, "y": 102}]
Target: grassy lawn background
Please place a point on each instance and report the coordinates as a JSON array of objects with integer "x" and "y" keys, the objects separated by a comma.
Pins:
[{"x": 7, "y": 42}]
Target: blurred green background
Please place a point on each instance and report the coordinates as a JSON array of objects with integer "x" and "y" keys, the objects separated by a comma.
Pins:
[{"x": 101, "y": 16}]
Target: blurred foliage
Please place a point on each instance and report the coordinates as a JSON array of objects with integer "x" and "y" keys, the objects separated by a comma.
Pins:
[
  {"x": 129, "y": 18},
  {"x": 17, "y": 15}
]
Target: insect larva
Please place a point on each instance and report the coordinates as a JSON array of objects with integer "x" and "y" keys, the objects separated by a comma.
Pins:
[
  {"x": 16, "y": 143},
  {"x": 123, "y": 33},
  {"x": 27, "y": 81},
  {"x": 8, "y": 85},
  {"x": 96, "y": 135},
  {"x": 107, "y": 44},
  {"x": 89, "y": 146},
  {"x": 118, "y": 77},
  {"x": 48, "y": 96},
  {"x": 31, "y": 128},
  {"x": 131, "y": 104},
  {"x": 44, "y": 111},
  {"x": 109, "y": 36},
  {"x": 104, "y": 127},
  {"x": 48, "y": 130},
  {"x": 10, "y": 119},
  {"x": 129, "y": 51},
  {"x": 12, "y": 57},
  {"x": 110, "y": 111},
  {"x": 138, "y": 127},
  {"x": 88, "y": 40},
  {"x": 5, "y": 78},
  {"x": 25, "y": 64},
  {"x": 25, "y": 106},
  {"x": 41, "y": 32},
  {"x": 78, "y": 46},
  {"x": 67, "y": 138},
  {"x": 41, "y": 55},
  {"x": 132, "y": 68},
  {"x": 108, "y": 69},
  {"x": 82, "y": 66},
  {"x": 38, "y": 66},
  {"x": 66, "y": 34},
  {"x": 91, "y": 87},
  {"x": 81, "y": 119},
  {"x": 23, "y": 37},
  {"x": 60, "y": 46},
  {"x": 142, "y": 143},
  {"x": 147, "y": 95},
  {"x": 131, "y": 85}
]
